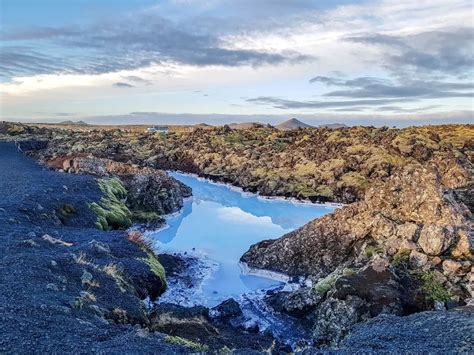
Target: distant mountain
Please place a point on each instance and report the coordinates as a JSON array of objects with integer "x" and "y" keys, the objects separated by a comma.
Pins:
[
  {"x": 292, "y": 123},
  {"x": 245, "y": 125},
  {"x": 77, "y": 123},
  {"x": 333, "y": 125}
]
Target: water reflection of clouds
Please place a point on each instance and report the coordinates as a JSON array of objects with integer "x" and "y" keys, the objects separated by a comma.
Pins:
[
  {"x": 284, "y": 213},
  {"x": 236, "y": 215}
]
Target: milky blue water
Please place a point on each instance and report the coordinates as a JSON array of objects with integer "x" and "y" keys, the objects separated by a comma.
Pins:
[{"x": 219, "y": 224}]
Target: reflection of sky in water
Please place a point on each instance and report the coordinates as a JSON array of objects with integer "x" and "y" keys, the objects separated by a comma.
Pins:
[{"x": 222, "y": 224}]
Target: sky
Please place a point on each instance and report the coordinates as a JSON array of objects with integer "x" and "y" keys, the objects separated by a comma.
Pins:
[{"x": 218, "y": 61}]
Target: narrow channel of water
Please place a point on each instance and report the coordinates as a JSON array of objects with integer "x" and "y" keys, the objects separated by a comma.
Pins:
[{"x": 217, "y": 225}]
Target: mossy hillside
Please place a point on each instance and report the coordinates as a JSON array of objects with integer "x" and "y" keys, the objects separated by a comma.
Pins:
[{"x": 111, "y": 211}]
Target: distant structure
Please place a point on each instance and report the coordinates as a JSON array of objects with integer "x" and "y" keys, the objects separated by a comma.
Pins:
[{"x": 157, "y": 129}]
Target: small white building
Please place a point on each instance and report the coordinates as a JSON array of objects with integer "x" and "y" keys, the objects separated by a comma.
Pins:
[{"x": 157, "y": 129}]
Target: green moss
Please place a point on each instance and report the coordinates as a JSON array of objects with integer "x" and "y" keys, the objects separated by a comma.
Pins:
[
  {"x": 187, "y": 343},
  {"x": 433, "y": 287},
  {"x": 401, "y": 257},
  {"x": 349, "y": 272},
  {"x": 15, "y": 130},
  {"x": 352, "y": 179},
  {"x": 325, "y": 284},
  {"x": 306, "y": 191},
  {"x": 156, "y": 267},
  {"x": 145, "y": 216},
  {"x": 65, "y": 211},
  {"x": 325, "y": 191},
  {"x": 111, "y": 211},
  {"x": 371, "y": 250}
]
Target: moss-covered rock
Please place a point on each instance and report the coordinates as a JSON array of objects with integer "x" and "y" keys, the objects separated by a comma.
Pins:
[
  {"x": 155, "y": 266},
  {"x": 111, "y": 211}
]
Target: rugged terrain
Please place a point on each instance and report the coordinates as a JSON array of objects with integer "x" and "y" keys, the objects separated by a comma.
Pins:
[
  {"x": 402, "y": 245},
  {"x": 69, "y": 285}
]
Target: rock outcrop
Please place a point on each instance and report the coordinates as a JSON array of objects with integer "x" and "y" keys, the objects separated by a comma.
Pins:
[
  {"x": 405, "y": 247},
  {"x": 148, "y": 190},
  {"x": 408, "y": 212}
]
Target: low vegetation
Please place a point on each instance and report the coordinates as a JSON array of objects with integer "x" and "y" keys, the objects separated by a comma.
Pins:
[
  {"x": 433, "y": 288},
  {"x": 156, "y": 267},
  {"x": 187, "y": 343},
  {"x": 325, "y": 284},
  {"x": 111, "y": 211}
]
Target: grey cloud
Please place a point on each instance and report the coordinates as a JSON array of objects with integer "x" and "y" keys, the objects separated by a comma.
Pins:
[
  {"x": 137, "y": 79},
  {"x": 368, "y": 87},
  {"x": 123, "y": 85},
  {"x": 290, "y": 104},
  {"x": 142, "y": 41},
  {"x": 64, "y": 114},
  {"x": 39, "y": 33},
  {"x": 449, "y": 52},
  {"x": 24, "y": 60},
  {"x": 399, "y": 109}
]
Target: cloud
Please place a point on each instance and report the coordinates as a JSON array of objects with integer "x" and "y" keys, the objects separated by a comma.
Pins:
[
  {"x": 369, "y": 87},
  {"x": 123, "y": 85},
  {"x": 448, "y": 51},
  {"x": 24, "y": 60},
  {"x": 130, "y": 43},
  {"x": 137, "y": 79},
  {"x": 292, "y": 104},
  {"x": 64, "y": 114},
  {"x": 39, "y": 33}
]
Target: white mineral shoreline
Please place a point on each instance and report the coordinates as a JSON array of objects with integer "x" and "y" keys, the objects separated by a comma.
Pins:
[{"x": 240, "y": 190}]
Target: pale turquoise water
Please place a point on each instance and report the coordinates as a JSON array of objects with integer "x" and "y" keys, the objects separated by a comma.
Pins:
[{"x": 219, "y": 224}]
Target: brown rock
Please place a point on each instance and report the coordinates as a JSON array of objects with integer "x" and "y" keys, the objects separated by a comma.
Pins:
[
  {"x": 451, "y": 266},
  {"x": 435, "y": 240},
  {"x": 435, "y": 261},
  {"x": 407, "y": 231},
  {"x": 418, "y": 259}
]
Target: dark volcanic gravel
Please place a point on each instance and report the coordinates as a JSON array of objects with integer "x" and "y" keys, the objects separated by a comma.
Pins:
[{"x": 40, "y": 282}]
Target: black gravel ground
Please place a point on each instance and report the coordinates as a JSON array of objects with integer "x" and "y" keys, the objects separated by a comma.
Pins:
[
  {"x": 449, "y": 332},
  {"x": 43, "y": 304}
]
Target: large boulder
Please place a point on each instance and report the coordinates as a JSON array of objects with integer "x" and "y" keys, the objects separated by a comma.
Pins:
[
  {"x": 298, "y": 304},
  {"x": 155, "y": 192},
  {"x": 435, "y": 240},
  {"x": 335, "y": 317},
  {"x": 315, "y": 249}
]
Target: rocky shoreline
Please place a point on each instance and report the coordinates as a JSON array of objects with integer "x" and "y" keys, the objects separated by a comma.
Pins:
[{"x": 403, "y": 246}]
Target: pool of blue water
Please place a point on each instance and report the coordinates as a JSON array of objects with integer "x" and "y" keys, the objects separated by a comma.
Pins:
[{"x": 219, "y": 224}]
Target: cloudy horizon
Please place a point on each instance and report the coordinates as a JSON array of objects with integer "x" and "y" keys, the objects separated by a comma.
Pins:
[{"x": 220, "y": 61}]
